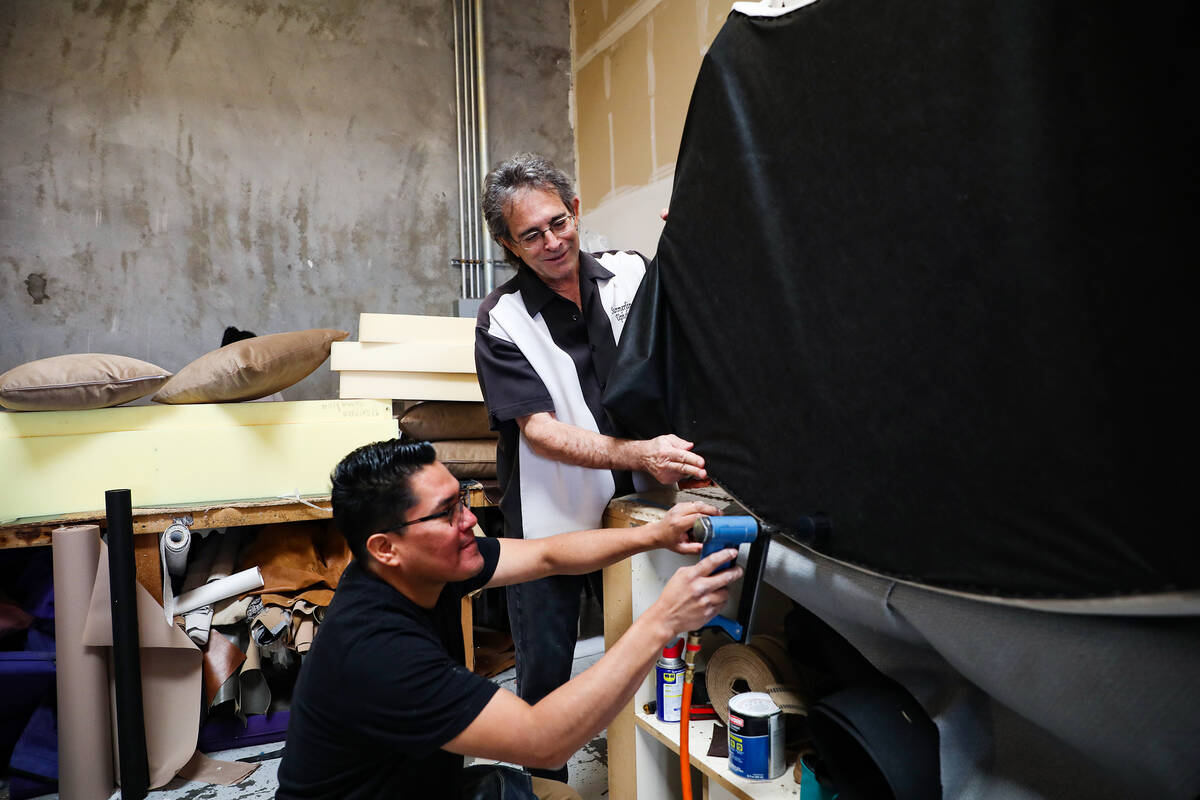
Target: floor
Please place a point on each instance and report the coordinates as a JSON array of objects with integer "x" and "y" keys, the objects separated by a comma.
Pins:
[{"x": 588, "y": 768}]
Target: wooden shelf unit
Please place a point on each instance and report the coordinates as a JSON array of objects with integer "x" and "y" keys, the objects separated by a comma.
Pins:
[
  {"x": 643, "y": 753},
  {"x": 712, "y": 768}
]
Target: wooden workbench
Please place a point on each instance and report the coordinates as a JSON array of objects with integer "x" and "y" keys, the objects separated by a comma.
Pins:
[{"x": 35, "y": 531}]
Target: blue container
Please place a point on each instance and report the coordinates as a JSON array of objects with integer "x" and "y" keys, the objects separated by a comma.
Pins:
[
  {"x": 755, "y": 737},
  {"x": 668, "y": 683}
]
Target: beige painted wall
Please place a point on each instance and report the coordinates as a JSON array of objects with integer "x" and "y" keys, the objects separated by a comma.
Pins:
[{"x": 634, "y": 64}]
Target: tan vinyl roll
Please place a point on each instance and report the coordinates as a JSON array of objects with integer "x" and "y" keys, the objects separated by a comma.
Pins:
[
  {"x": 84, "y": 730},
  {"x": 763, "y": 666},
  {"x": 172, "y": 677}
]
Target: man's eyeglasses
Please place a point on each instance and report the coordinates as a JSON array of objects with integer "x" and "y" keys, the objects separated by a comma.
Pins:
[
  {"x": 534, "y": 240},
  {"x": 454, "y": 512}
]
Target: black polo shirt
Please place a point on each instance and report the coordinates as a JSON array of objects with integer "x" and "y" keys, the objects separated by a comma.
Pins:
[{"x": 380, "y": 692}]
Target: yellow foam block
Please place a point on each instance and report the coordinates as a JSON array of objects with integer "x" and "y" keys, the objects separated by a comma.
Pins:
[
  {"x": 414, "y": 328},
  {"x": 58, "y": 462},
  {"x": 423, "y": 356},
  {"x": 409, "y": 385}
]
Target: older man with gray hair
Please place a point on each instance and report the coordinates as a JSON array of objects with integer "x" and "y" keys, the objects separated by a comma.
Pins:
[{"x": 545, "y": 344}]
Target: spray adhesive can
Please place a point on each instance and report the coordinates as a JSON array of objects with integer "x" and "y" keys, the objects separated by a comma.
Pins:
[
  {"x": 668, "y": 683},
  {"x": 755, "y": 737}
]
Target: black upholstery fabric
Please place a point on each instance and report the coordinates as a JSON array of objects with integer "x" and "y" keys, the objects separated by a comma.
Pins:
[{"x": 922, "y": 273}]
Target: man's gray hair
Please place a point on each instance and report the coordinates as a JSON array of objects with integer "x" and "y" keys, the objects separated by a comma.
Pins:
[{"x": 522, "y": 171}]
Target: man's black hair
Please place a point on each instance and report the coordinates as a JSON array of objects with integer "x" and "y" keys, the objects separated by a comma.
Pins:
[{"x": 371, "y": 489}]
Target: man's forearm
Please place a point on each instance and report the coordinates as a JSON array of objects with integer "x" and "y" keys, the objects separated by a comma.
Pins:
[
  {"x": 575, "y": 553},
  {"x": 666, "y": 457},
  {"x": 581, "y": 552},
  {"x": 592, "y": 699},
  {"x": 568, "y": 444}
]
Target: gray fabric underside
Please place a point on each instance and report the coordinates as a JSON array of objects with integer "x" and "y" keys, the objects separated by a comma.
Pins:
[{"x": 1030, "y": 704}]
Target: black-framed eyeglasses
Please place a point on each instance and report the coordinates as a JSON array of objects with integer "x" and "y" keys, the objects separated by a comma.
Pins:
[
  {"x": 559, "y": 226},
  {"x": 454, "y": 512}
]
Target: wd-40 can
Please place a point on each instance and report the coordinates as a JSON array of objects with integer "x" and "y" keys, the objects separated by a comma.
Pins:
[
  {"x": 668, "y": 683},
  {"x": 755, "y": 736}
]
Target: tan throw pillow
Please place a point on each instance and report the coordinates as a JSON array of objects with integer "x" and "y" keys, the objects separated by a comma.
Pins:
[
  {"x": 434, "y": 420},
  {"x": 468, "y": 458},
  {"x": 78, "y": 381},
  {"x": 251, "y": 368}
]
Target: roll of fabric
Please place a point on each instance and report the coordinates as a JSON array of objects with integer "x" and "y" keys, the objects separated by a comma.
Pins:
[
  {"x": 85, "y": 734},
  {"x": 254, "y": 695},
  {"x": 173, "y": 547},
  {"x": 197, "y": 623},
  {"x": 271, "y": 628},
  {"x": 763, "y": 666},
  {"x": 238, "y": 583},
  {"x": 222, "y": 660},
  {"x": 176, "y": 542},
  {"x": 171, "y": 678}
]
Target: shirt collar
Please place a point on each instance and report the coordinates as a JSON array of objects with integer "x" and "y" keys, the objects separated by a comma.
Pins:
[{"x": 537, "y": 294}]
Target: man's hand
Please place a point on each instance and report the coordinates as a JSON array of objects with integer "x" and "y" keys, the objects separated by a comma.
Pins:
[
  {"x": 668, "y": 458},
  {"x": 693, "y": 596},
  {"x": 674, "y": 527}
]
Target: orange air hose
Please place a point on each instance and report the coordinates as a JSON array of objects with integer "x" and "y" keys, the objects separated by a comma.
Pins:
[{"x": 685, "y": 712}]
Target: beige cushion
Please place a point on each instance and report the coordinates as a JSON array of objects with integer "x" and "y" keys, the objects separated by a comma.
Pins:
[
  {"x": 468, "y": 458},
  {"x": 78, "y": 381},
  {"x": 251, "y": 368},
  {"x": 446, "y": 419}
]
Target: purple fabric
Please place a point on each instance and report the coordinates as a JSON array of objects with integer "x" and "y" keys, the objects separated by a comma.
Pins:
[
  {"x": 225, "y": 733},
  {"x": 26, "y": 678},
  {"x": 36, "y": 753},
  {"x": 22, "y": 788}
]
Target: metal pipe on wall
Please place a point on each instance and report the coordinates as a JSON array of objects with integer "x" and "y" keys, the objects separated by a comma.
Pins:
[
  {"x": 476, "y": 222},
  {"x": 462, "y": 236},
  {"x": 475, "y": 245},
  {"x": 468, "y": 45},
  {"x": 480, "y": 80}
]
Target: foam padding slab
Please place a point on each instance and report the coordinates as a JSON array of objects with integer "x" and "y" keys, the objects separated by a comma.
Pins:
[
  {"x": 432, "y": 356},
  {"x": 59, "y": 462},
  {"x": 415, "y": 328},
  {"x": 410, "y": 385}
]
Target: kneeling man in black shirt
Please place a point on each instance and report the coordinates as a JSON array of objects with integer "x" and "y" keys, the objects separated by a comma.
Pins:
[{"x": 384, "y": 707}]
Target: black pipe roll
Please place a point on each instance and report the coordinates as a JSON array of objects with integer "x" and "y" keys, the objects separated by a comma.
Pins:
[{"x": 127, "y": 669}]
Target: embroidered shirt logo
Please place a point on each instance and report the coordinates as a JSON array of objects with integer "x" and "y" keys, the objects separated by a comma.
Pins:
[{"x": 619, "y": 313}]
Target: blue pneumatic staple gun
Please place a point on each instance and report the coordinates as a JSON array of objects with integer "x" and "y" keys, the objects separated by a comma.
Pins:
[{"x": 718, "y": 533}]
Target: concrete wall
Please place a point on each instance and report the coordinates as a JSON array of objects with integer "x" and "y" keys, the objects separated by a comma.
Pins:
[
  {"x": 635, "y": 64},
  {"x": 168, "y": 168}
]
